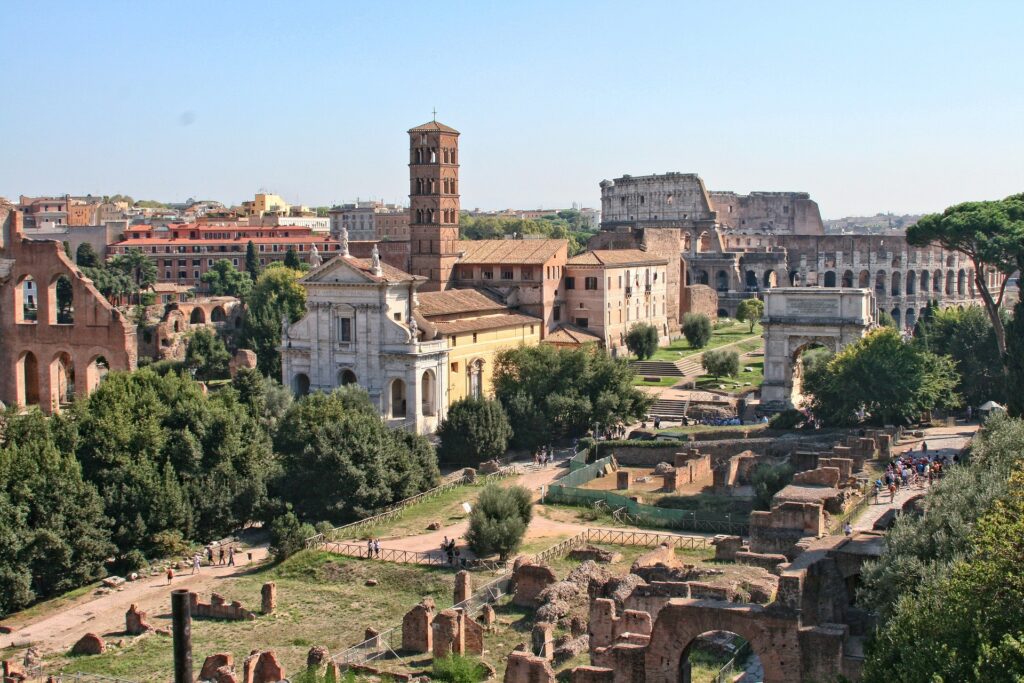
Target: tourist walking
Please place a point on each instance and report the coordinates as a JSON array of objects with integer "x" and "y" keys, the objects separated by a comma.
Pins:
[
  {"x": 170, "y": 575},
  {"x": 231, "y": 556},
  {"x": 369, "y": 547},
  {"x": 221, "y": 559},
  {"x": 376, "y": 546},
  {"x": 209, "y": 555},
  {"x": 196, "y": 563}
]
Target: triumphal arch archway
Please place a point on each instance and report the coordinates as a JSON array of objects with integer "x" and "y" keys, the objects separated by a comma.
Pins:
[{"x": 796, "y": 318}]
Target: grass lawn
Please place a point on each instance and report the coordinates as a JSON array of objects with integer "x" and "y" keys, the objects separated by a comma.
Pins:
[
  {"x": 322, "y": 599},
  {"x": 680, "y": 348},
  {"x": 445, "y": 508},
  {"x": 742, "y": 383}
]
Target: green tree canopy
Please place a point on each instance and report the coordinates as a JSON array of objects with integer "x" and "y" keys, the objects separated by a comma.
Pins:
[
  {"x": 721, "y": 363},
  {"x": 750, "y": 311},
  {"x": 697, "y": 329},
  {"x": 551, "y": 393},
  {"x": 53, "y": 533},
  {"x": 167, "y": 458},
  {"x": 291, "y": 259},
  {"x": 887, "y": 378},
  {"x": 967, "y": 337},
  {"x": 252, "y": 262},
  {"x": 341, "y": 462},
  {"x": 949, "y": 586},
  {"x": 498, "y": 521},
  {"x": 86, "y": 256},
  {"x": 474, "y": 430},
  {"x": 991, "y": 235},
  {"x": 276, "y": 296},
  {"x": 137, "y": 267},
  {"x": 642, "y": 340},
  {"x": 223, "y": 279},
  {"x": 206, "y": 355}
]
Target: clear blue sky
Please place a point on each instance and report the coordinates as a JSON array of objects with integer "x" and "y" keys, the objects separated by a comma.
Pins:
[{"x": 869, "y": 106}]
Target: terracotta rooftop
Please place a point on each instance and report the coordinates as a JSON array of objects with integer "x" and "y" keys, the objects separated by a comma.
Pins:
[
  {"x": 433, "y": 127},
  {"x": 455, "y": 301},
  {"x": 388, "y": 273},
  {"x": 616, "y": 257},
  {"x": 513, "y": 252},
  {"x": 487, "y": 322},
  {"x": 570, "y": 334}
]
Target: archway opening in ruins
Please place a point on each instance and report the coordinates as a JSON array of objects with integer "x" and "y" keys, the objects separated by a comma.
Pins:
[
  {"x": 925, "y": 281},
  {"x": 809, "y": 361},
  {"x": 27, "y": 375},
  {"x": 897, "y": 283},
  {"x": 62, "y": 296},
  {"x": 911, "y": 282},
  {"x": 397, "y": 399},
  {"x": 707, "y": 655},
  {"x": 702, "y": 277},
  {"x": 830, "y": 278},
  {"x": 961, "y": 282},
  {"x": 26, "y": 304},
  {"x": 346, "y": 377},
  {"x": 300, "y": 384},
  {"x": 62, "y": 378},
  {"x": 911, "y": 318},
  {"x": 848, "y": 278},
  {"x": 704, "y": 242},
  {"x": 218, "y": 315},
  {"x": 897, "y": 317},
  {"x": 794, "y": 278},
  {"x": 864, "y": 279},
  {"x": 949, "y": 283},
  {"x": 770, "y": 279},
  {"x": 722, "y": 281},
  {"x": 95, "y": 371},
  {"x": 937, "y": 281},
  {"x": 751, "y": 280},
  {"x": 880, "y": 283},
  {"x": 198, "y": 317}
]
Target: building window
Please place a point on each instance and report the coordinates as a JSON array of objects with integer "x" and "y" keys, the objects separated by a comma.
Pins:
[
  {"x": 454, "y": 340},
  {"x": 234, "y": 262},
  {"x": 590, "y": 283},
  {"x": 195, "y": 274},
  {"x": 570, "y": 283},
  {"x": 556, "y": 313},
  {"x": 583, "y": 322},
  {"x": 398, "y": 317},
  {"x": 474, "y": 337},
  {"x": 467, "y": 274},
  {"x": 345, "y": 329},
  {"x": 455, "y": 367},
  {"x": 506, "y": 274},
  {"x": 488, "y": 275},
  {"x": 195, "y": 262}
]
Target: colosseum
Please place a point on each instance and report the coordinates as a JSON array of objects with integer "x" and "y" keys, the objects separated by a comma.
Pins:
[{"x": 742, "y": 245}]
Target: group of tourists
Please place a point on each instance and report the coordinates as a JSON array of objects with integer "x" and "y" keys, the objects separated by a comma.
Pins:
[
  {"x": 543, "y": 455},
  {"x": 373, "y": 547},
  {"x": 450, "y": 550},
  {"x": 911, "y": 469},
  {"x": 224, "y": 558}
]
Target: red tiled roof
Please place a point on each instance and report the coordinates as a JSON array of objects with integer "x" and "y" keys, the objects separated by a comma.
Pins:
[
  {"x": 616, "y": 257},
  {"x": 509, "y": 252},
  {"x": 433, "y": 127},
  {"x": 570, "y": 334},
  {"x": 455, "y": 301},
  {"x": 486, "y": 322}
]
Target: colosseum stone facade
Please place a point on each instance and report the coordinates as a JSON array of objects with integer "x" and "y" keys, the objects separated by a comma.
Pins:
[{"x": 742, "y": 245}]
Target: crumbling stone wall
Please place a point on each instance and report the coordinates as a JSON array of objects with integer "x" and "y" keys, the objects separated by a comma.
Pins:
[
  {"x": 522, "y": 667},
  {"x": 779, "y": 530},
  {"x": 417, "y": 627},
  {"x": 699, "y": 299},
  {"x": 448, "y": 634},
  {"x": 692, "y": 468},
  {"x": 219, "y": 608},
  {"x": 529, "y": 580},
  {"x": 822, "y": 476},
  {"x": 606, "y": 626}
]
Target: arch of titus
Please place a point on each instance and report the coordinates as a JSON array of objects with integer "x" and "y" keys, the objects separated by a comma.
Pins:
[{"x": 796, "y": 318}]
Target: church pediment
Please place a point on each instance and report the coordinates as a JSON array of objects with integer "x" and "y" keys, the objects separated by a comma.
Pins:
[{"x": 338, "y": 270}]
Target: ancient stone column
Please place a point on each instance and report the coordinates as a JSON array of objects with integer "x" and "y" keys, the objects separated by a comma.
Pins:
[
  {"x": 543, "y": 642},
  {"x": 269, "y": 597},
  {"x": 463, "y": 587}
]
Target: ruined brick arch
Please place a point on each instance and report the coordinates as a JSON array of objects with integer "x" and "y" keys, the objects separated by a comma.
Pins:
[
  {"x": 864, "y": 279},
  {"x": 27, "y": 379},
  {"x": 197, "y": 317},
  {"x": 774, "y": 640},
  {"x": 26, "y": 299},
  {"x": 801, "y": 344},
  {"x": 218, "y": 315},
  {"x": 62, "y": 379},
  {"x": 95, "y": 370}
]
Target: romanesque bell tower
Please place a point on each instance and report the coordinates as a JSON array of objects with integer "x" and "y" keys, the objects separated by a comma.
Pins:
[{"x": 434, "y": 202}]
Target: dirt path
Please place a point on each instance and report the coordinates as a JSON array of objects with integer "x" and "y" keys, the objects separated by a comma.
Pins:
[{"x": 104, "y": 614}]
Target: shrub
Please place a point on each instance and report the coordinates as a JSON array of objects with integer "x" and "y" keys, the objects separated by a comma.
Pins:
[
  {"x": 169, "y": 543},
  {"x": 697, "y": 329},
  {"x": 721, "y": 363},
  {"x": 642, "y": 340},
  {"x": 475, "y": 430},
  {"x": 498, "y": 521},
  {"x": 458, "y": 669},
  {"x": 288, "y": 536},
  {"x": 787, "y": 419},
  {"x": 767, "y": 480}
]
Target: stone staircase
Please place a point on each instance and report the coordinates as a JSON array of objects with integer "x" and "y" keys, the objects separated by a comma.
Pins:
[
  {"x": 656, "y": 368},
  {"x": 668, "y": 409}
]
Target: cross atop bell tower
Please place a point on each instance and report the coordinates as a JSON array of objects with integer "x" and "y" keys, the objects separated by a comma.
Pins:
[{"x": 434, "y": 202}]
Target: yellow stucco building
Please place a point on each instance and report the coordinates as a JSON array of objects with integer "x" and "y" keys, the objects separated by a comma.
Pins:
[{"x": 476, "y": 328}]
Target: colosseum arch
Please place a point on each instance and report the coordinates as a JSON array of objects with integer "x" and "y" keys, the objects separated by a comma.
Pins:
[
  {"x": 961, "y": 282},
  {"x": 830, "y": 278},
  {"x": 925, "y": 284},
  {"x": 911, "y": 282},
  {"x": 796, "y": 318},
  {"x": 949, "y": 283},
  {"x": 897, "y": 283},
  {"x": 848, "y": 278},
  {"x": 864, "y": 280}
]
